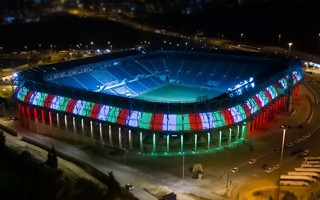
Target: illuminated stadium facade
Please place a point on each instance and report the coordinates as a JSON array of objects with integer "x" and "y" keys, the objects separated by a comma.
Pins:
[{"x": 159, "y": 102}]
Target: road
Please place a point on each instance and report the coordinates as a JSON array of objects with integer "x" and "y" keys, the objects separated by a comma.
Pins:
[{"x": 163, "y": 175}]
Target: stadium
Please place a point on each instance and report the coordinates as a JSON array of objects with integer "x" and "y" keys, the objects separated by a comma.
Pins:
[{"x": 159, "y": 102}]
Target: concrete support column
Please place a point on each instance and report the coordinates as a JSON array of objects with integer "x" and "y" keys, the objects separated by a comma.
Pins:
[
  {"x": 229, "y": 136},
  {"x": 289, "y": 102},
  {"x": 245, "y": 129},
  {"x": 66, "y": 122},
  {"x": 130, "y": 140},
  {"x": 35, "y": 115},
  {"x": 110, "y": 135},
  {"x": 208, "y": 141},
  {"x": 58, "y": 121},
  {"x": 22, "y": 116},
  {"x": 195, "y": 142},
  {"x": 82, "y": 126},
  {"x": 50, "y": 118},
  {"x": 237, "y": 133},
  {"x": 284, "y": 101},
  {"x": 29, "y": 117},
  {"x": 154, "y": 143},
  {"x": 91, "y": 130},
  {"x": 168, "y": 143},
  {"x": 36, "y": 119},
  {"x": 120, "y": 138},
  {"x": 141, "y": 142},
  {"x": 100, "y": 132},
  {"x": 42, "y": 116},
  {"x": 220, "y": 137},
  {"x": 74, "y": 125}
]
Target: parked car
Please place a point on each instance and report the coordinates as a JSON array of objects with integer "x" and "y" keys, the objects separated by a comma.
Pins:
[
  {"x": 12, "y": 118},
  {"x": 269, "y": 170},
  {"x": 290, "y": 144},
  {"x": 296, "y": 141},
  {"x": 308, "y": 135},
  {"x": 234, "y": 170},
  {"x": 251, "y": 161},
  {"x": 129, "y": 187},
  {"x": 276, "y": 167},
  {"x": 305, "y": 152},
  {"x": 305, "y": 137}
]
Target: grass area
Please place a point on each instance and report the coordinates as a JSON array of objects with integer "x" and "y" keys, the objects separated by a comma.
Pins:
[{"x": 177, "y": 93}]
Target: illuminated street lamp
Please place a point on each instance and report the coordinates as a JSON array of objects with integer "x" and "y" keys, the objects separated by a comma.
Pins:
[
  {"x": 241, "y": 36},
  {"x": 92, "y": 43},
  {"x": 290, "y": 44},
  {"x": 279, "y": 36},
  {"x": 284, "y": 128}
]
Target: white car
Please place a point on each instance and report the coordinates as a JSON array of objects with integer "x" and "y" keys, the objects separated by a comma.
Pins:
[
  {"x": 234, "y": 170},
  {"x": 269, "y": 170},
  {"x": 276, "y": 167},
  {"x": 251, "y": 161},
  {"x": 290, "y": 144},
  {"x": 129, "y": 187},
  {"x": 297, "y": 141},
  {"x": 305, "y": 152}
]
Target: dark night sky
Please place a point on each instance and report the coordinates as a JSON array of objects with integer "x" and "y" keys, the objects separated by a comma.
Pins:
[{"x": 260, "y": 21}]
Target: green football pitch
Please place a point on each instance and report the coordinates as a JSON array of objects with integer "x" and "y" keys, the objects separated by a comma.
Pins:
[{"x": 174, "y": 93}]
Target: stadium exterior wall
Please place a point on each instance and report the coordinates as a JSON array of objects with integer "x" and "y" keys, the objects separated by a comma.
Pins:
[{"x": 146, "y": 127}]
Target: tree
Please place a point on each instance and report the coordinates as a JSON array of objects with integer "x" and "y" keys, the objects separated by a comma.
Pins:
[
  {"x": 289, "y": 196},
  {"x": 52, "y": 160}
]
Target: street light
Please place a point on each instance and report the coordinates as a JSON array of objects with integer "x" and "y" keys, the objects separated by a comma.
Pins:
[
  {"x": 279, "y": 39},
  {"x": 290, "y": 44},
  {"x": 284, "y": 128},
  {"x": 92, "y": 43}
]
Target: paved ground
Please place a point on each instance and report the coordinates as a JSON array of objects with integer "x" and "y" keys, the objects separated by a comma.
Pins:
[{"x": 158, "y": 176}]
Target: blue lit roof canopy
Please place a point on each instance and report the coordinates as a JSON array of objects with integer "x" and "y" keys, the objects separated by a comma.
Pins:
[{"x": 164, "y": 76}]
